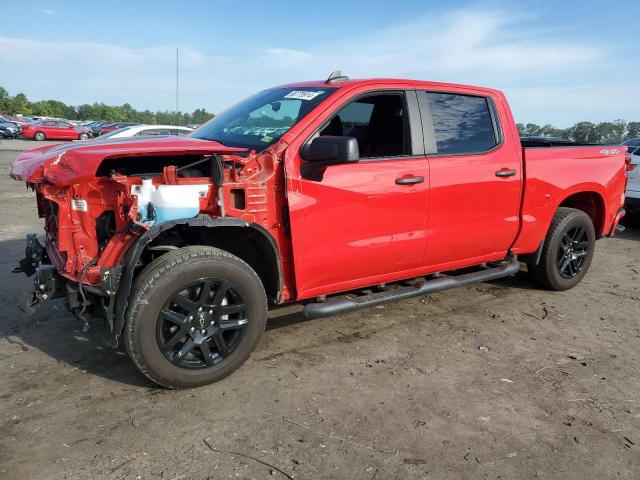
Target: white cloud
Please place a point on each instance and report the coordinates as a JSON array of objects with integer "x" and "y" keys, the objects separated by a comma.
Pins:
[
  {"x": 47, "y": 11},
  {"x": 547, "y": 75}
]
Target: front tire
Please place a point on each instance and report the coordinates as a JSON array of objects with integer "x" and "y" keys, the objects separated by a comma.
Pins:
[
  {"x": 40, "y": 136},
  {"x": 83, "y": 136},
  {"x": 567, "y": 252},
  {"x": 195, "y": 316}
]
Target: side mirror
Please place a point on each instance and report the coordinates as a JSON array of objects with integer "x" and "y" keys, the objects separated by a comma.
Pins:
[{"x": 331, "y": 149}]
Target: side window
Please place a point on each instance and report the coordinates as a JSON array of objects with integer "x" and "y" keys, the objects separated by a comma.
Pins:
[
  {"x": 378, "y": 122},
  {"x": 461, "y": 123},
  {"x": 153, "y": 131}
]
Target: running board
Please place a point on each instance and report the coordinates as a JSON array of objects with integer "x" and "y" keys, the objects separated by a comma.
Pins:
[{"x": 347, "y": 304}]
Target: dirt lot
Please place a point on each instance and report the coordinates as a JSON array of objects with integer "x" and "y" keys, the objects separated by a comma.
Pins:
[{"x": 498, "y": 380}]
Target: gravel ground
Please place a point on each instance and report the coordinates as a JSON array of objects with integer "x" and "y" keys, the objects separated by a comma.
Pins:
[{"x": 497, "y": 380}]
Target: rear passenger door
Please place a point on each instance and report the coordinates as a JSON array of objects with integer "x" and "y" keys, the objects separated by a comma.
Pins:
[
  {"x": 64, "y": 130},
  {"x": 475, "y": 180},
  {"x": 51, "y": 129}
]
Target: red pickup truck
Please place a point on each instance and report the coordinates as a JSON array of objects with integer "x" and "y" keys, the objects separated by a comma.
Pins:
[{"x": 342, "y": 194}]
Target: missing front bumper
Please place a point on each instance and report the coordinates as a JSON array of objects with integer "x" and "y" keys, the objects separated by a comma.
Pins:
[{"x": 48, "y": 284}]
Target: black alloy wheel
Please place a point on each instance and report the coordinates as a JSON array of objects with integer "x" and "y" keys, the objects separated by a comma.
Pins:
[
  {"x": 194, "y": 317},
  {"x": 201, "y": 324},
  {"x": 567, "y": 250},
  {"x": 572, "y": 251}
]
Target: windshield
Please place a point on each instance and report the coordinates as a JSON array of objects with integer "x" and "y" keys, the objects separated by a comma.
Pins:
[{"x": 259, "y": 121}]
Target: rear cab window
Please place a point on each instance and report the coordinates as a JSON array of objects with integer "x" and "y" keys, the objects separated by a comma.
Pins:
[{"x": 459, "y": 124}]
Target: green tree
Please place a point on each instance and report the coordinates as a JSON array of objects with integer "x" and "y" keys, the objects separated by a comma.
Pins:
[
  {"x": 532, "y": 130},
  {"x": 633, "y": 130},
  {"x": 200, "y": 115},
  {"x": 5, "y": 100},
  {"x": 612, "y": 132},
  {"x": 20, "y": 104},
  {"x": 586, "y": 132},
  {"x": 551, "y": 131}
]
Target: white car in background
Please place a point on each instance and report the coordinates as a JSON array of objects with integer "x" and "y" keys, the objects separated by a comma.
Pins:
[
  {"x": 632, "y": 202},
  {"x": 140, "y": 130}
]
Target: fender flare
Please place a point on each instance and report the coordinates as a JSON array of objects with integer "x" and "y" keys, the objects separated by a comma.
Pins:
[{"x": 135, "y": 251}]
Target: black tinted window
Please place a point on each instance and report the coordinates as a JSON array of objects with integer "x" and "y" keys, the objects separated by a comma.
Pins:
[
  {"x": 377, "y": 122},
  {"x": 462, "y": 123}
]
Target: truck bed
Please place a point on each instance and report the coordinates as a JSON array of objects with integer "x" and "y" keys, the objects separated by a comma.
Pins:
[{"x": 554, "y": 174}]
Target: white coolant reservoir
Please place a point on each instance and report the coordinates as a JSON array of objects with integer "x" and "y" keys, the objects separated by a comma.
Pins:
[
  {"x": 145, "y": 194},
  {"x": 173, "y": 202},
  {"x": 167, "y": 202}
]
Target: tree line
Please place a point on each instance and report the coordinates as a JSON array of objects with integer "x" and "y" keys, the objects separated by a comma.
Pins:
[
  {"x": 20, "y": 104},
  {"x": 586, "y": 132}
]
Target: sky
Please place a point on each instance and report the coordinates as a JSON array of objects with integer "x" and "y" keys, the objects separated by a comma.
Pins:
[{"x": 557, "y": 62}]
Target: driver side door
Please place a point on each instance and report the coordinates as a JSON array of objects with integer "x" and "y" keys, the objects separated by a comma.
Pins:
[{"x": 362, "y": 223}]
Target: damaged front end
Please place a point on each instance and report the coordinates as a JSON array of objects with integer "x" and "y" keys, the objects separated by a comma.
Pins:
[{"x": 96, "y": 204}]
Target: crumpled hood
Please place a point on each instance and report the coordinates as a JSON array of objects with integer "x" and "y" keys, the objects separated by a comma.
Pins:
[{"x": 67, "y": 164}]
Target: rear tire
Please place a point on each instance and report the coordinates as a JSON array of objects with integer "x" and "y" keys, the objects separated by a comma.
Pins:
[
  {"x": 176, "y": 332},
  {"x": 567, "y": 252},
  {"x": 83, "y": 136},
  {"x": 40, "y": 136}
]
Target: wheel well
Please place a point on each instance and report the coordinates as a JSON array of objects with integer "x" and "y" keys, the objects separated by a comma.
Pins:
[
  {"x": 590, "y": 203},
  {"x": 250, "y": 244}
]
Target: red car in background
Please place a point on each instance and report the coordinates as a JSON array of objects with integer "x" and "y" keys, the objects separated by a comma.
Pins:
[
  {"x": 115, "y": 126},
  {"x": 55, "y": 130}
]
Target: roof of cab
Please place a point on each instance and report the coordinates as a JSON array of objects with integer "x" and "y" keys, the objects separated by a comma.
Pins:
[{"x": 380, "y": 81}]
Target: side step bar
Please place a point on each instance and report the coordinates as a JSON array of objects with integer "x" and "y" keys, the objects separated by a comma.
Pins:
[{"x": 349, "y": 303}]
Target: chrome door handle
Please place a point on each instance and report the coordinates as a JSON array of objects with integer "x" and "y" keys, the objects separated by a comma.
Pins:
[
  {"x": 505, "y": 172},
  {"x": 409, "y": 180}
]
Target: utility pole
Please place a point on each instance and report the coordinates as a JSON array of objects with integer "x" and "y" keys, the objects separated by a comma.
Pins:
[{"x": 177, "y": 104}]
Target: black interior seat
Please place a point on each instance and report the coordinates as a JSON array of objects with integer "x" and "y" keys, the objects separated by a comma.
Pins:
[
  {"x": 391, "y": 136},
  {"x": 334, "y": 127},
  {"x": 385, "y": 136}
]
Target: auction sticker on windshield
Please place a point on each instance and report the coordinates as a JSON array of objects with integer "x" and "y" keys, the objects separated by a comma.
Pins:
[{"x": 303, "y": 94}]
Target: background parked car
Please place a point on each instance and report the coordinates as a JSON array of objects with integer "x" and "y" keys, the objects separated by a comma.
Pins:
[
  {"x": 16, "y": 120},
  {"x": 55, "y": 130},
  {"x": 115, "y": 126},
  {"x": 14, "y": 127},
  {"x": 7, "y": 131},
  {"x": 140, "y": 130},
  {"x": 96, "y": 126},
  {"x": 632, "y": 202}
]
